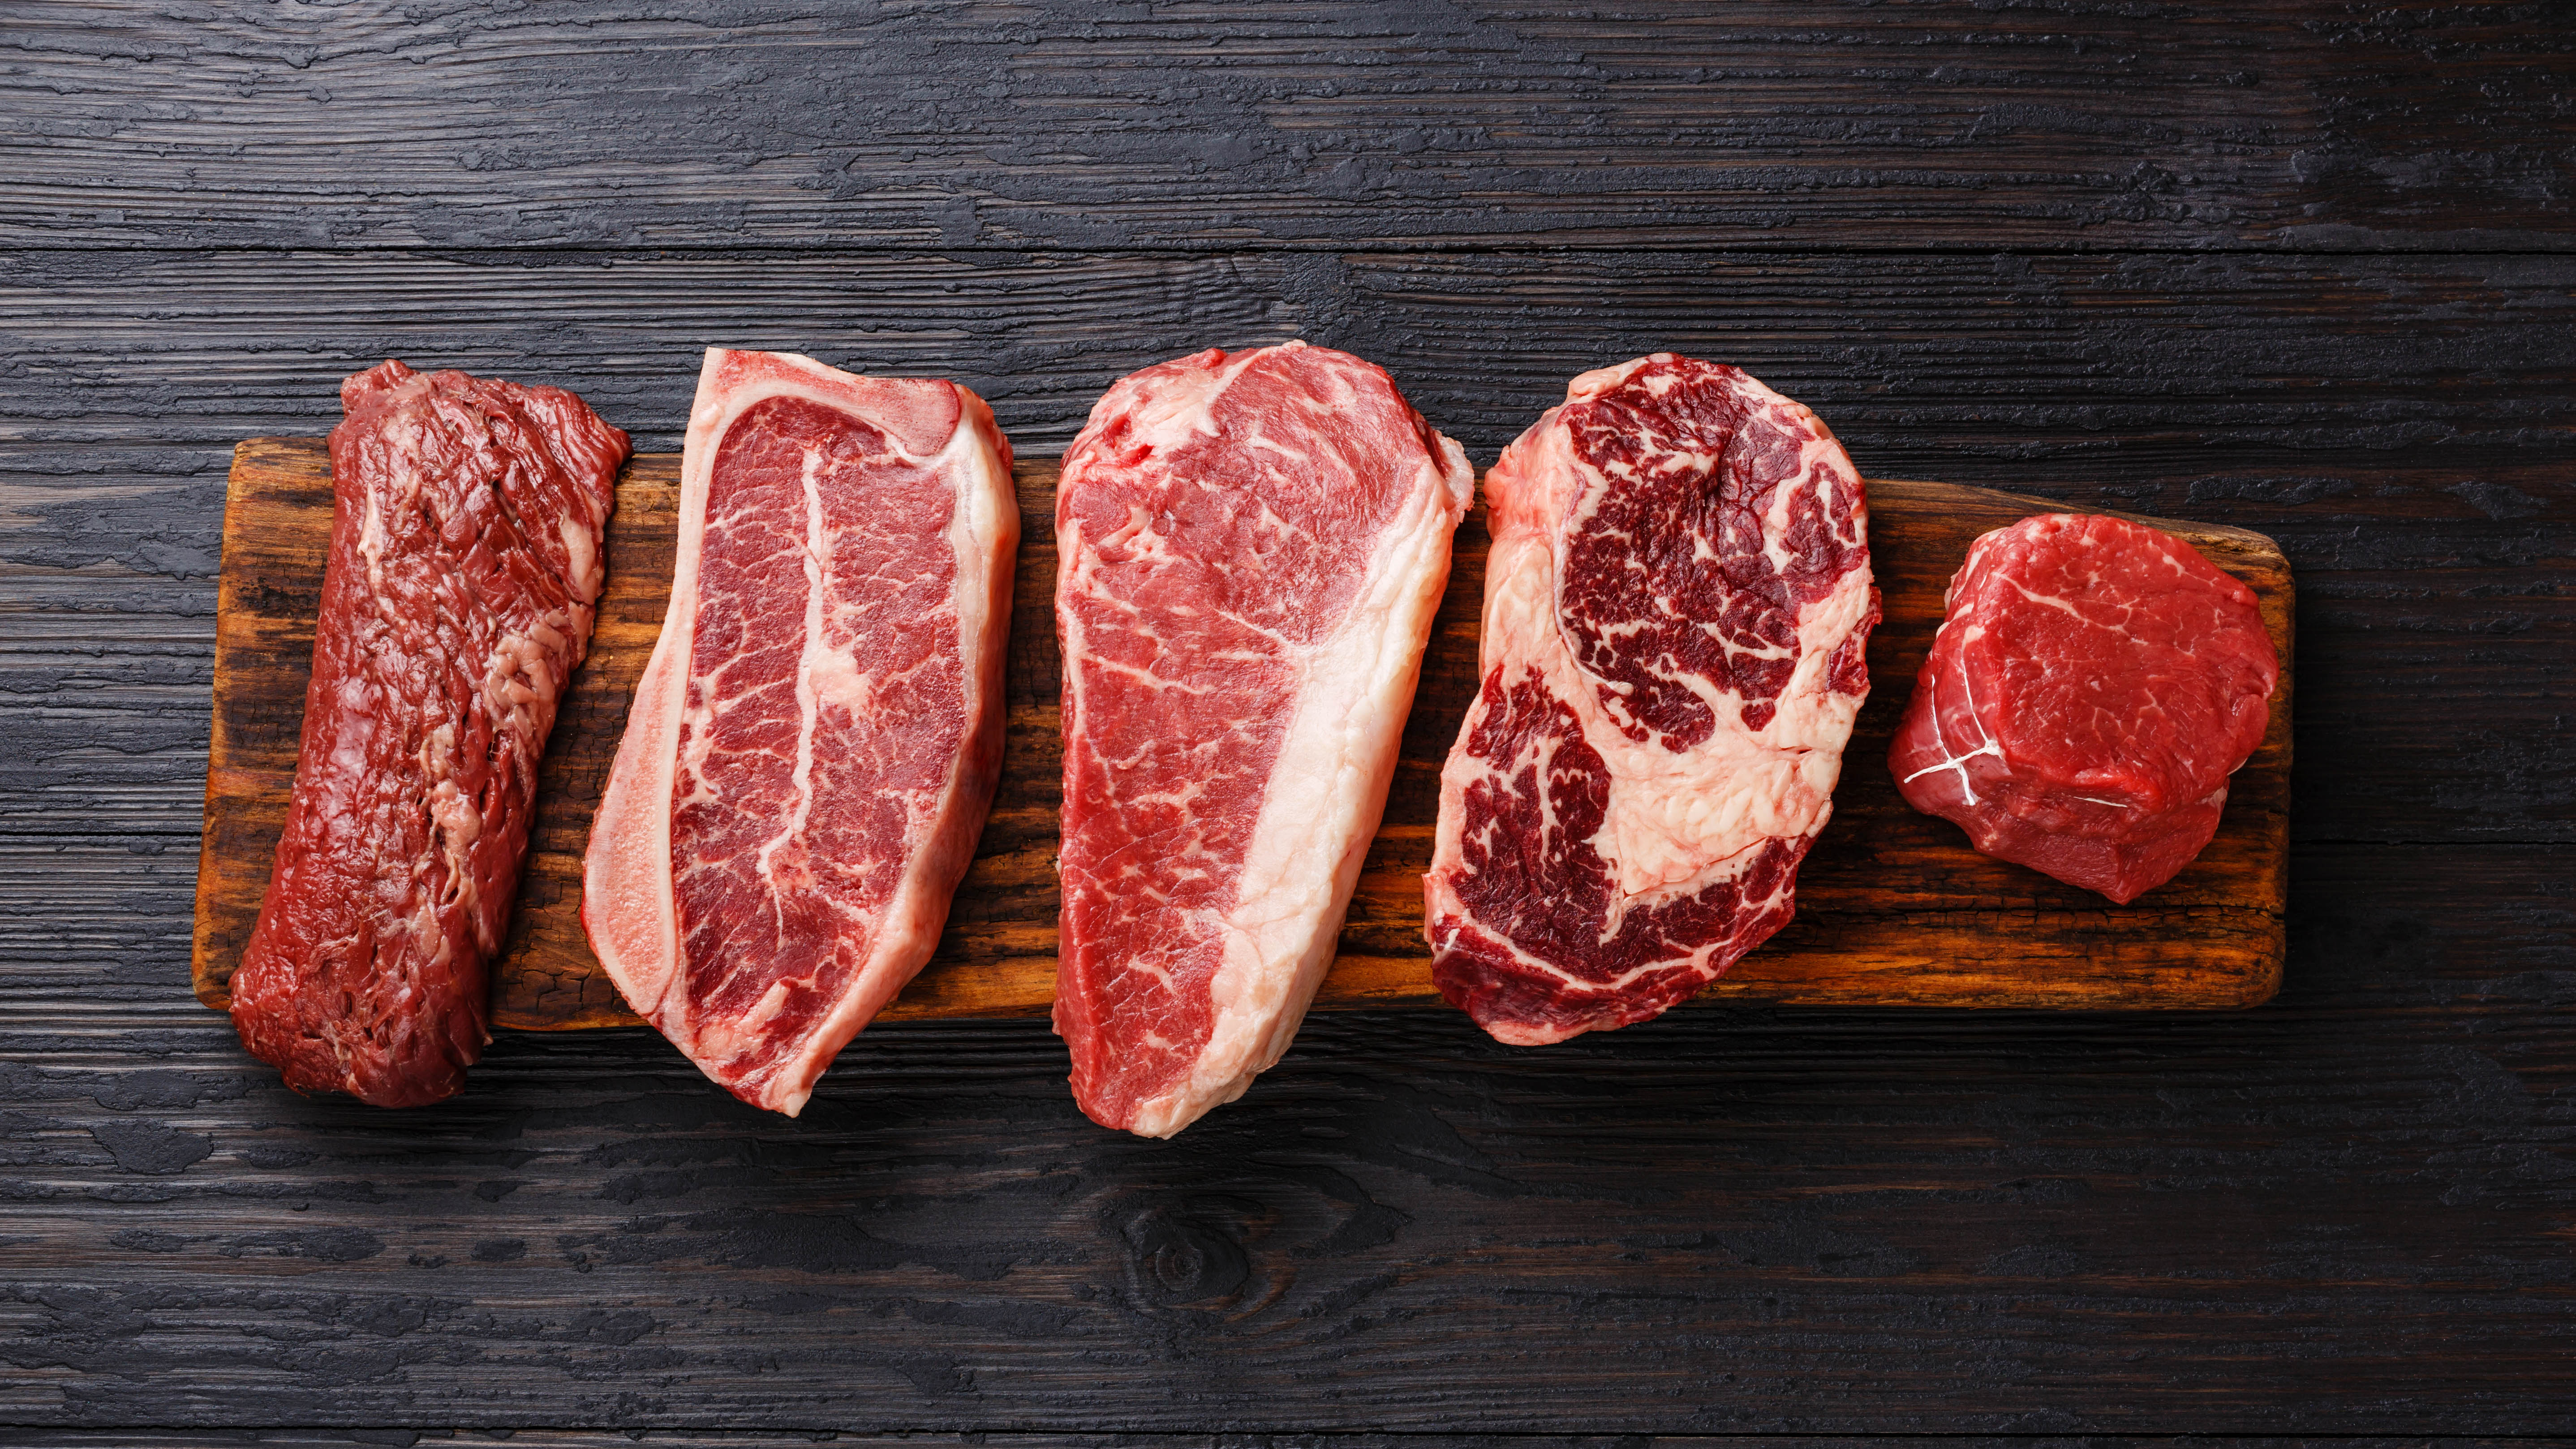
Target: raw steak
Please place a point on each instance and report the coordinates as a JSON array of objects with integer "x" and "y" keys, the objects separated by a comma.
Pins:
[
  {"x": 1251, "y": 549},
  {"x": 456, "y": 602},
  {"x": 1675, "y": 611},
  {"x": 816, "y": 739},
  {"x": 2093, "y": 686}
]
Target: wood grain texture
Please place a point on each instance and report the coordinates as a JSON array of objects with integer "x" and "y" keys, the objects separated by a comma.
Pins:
[
  {"x": 324, "y": 1438},
  {"x": 2126, "y": 255},
  {"x": 2343, "y": 1214},
  {"x": 2283, "y": 374},
  {"x": 2399, "y": 424},
  {"x": 1894, "y": 907},
  {"x": 2085, "y": 124}
]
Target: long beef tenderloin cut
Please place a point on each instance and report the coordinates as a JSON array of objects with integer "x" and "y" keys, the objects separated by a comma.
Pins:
[
  {"x": 2094, "y": 683},
  {"x": 1676, "y": 606},
  {"x": 465, "y": 566}
]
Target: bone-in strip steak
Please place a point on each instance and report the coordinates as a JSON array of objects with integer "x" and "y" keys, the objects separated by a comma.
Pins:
[
  {"x": 465, "y": 563},
  {"x": 816, "y": 739}
]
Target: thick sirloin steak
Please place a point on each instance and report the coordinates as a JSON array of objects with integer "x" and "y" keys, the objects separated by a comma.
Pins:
[
  {"x": 1251, "y": 550},
  {"x": 1676, "y": 607}
]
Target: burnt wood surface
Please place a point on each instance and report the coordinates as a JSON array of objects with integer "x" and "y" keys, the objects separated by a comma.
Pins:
[
  {"x": 2301, "y": 268},
  {"x": 1894, "y": 908}
]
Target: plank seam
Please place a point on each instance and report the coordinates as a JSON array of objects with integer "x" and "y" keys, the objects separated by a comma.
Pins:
[
  {"x": 1131, "y": 1436},
  {"x": 1354, "y": 247}
]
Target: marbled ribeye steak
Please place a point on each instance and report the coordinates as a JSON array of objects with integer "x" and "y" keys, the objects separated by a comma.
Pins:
[{"x": 1676, "y": 607}]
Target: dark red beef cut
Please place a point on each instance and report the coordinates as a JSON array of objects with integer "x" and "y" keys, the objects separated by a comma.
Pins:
[
  {"x": 1676, "y": 607},
  {"x": 456, "y": 602},
  {"x": 2093, "y": 686}
]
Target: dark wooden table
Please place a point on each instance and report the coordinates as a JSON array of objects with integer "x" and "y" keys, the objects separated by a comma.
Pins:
[{"x": 2305, "y": 268}]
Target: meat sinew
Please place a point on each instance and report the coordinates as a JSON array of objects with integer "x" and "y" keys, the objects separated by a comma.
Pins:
[
  {"x": 1676, "y": 607},
  {"x": 2093, "y": 686},
  {"x": 815, "y": 741},
  {"x": 456, "y": 601},
  {"x": 1251, "y": 550}
]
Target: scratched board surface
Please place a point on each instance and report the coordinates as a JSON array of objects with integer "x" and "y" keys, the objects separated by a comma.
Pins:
[{"x": 1894, "y": 908}]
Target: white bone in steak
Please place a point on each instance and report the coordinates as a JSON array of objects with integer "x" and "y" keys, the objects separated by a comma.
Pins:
[{"x": 816, "y": 739}]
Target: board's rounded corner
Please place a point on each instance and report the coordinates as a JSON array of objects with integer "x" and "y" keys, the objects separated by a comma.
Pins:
[{"x": 2261, "y": 988}]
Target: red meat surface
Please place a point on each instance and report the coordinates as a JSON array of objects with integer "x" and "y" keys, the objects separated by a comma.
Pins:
[
  {"x": 816, "y": 739},
  {"x": 1252, "y": 546},
  {"x": 456, "y": 602},
  {"x": 2093, "y": 685},
  {"x": 1676, "y": 609}
]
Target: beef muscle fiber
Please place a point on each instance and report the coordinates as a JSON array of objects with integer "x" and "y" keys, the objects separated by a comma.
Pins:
[
  {"x": 1676, "y": 606},
  {"x": 457, "y": 599},
  {"x": 1251, "y": 547},
  {"x": 2094, "y": 683},
  {"x": 816, "y": 738}
]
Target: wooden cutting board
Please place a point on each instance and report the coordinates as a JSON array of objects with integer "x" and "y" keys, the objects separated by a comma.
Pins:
[{"x": 1894, "y": 909}]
